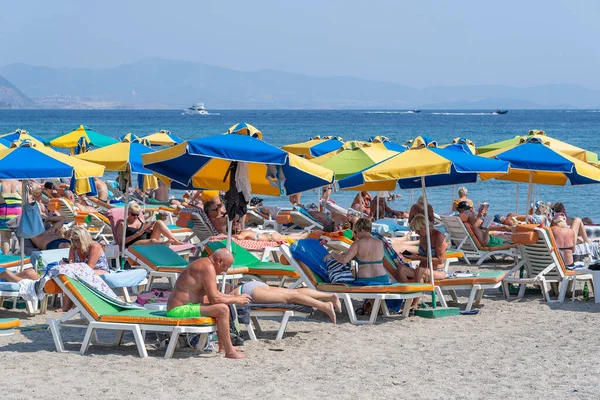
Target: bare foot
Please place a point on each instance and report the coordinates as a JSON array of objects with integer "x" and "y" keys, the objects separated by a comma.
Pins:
[
  {"x": 336, "y": 302},
  {"x": 235, "y": 355},
  {"x": 330, "y": 311},
  {"x": 177, "y": 242}
]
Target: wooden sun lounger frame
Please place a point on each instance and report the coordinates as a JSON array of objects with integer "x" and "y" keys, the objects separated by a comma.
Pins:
[{"x": 91, "y": 325}]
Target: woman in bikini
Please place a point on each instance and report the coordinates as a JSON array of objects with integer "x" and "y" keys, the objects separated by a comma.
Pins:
[
  {"x": 144, "y": 233},
  {"x": 368, "y": 253}
]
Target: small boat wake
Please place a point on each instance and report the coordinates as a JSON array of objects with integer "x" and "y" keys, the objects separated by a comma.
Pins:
[
  {"x": 462, "y": 113},
  {"x": 393, "y": 112}
]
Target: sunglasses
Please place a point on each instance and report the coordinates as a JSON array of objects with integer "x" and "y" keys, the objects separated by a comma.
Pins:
[{"x": 134, "y": 215}]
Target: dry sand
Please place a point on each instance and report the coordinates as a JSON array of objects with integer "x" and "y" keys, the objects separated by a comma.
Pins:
[{"x": 526, "y": 349}]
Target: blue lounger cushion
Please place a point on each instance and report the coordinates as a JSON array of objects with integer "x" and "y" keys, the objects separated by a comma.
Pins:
[
  {"x": 128, "y": 278},
  {"x": 9, "y": 287}
]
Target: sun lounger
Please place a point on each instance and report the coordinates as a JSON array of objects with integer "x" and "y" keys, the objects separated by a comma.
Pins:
[
  {"x": 542, "y": 265},
  {"x": 255, "y": 217},
  {"x": 283, "y": 311},
  {"x": 463, "y": 239},
  {"x": 161, "y": 261},
  {"x": 312, "y": 252},
  {"x": 11, "y": 289},
  {"x": 8, "y": 325},
  {"x": 297, "y": 220},
  {"x": 475, "y": 284},
  {"x": 245, "y": 259},
  {"x": 99, "y": 313}
]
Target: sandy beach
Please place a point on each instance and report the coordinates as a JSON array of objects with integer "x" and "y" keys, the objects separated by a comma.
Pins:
[{"x": 519, "y": 349}]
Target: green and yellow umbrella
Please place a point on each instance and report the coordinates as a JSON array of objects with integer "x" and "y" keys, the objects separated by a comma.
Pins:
[
  {"x": 354, "y": 156},
  {"x": 71, "y": 139},
  {"x": 555, "y": 144}
]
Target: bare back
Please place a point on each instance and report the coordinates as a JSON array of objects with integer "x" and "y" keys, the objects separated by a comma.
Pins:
[
  {"x": 565, "y": 239},
  {"x": 369, "y": 249}
]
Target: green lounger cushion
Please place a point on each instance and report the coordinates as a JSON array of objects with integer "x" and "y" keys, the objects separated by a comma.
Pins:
[
  {"x": 159, "y": 257},
  {"x": 243, "y": 258}
]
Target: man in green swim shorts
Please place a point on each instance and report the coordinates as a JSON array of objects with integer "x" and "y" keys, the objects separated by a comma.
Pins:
[
  {"x": 196, "y": 295},
  {"x": 475, "y": 221}
]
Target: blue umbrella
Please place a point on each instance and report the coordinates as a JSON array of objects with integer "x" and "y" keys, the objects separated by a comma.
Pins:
[{"x": 385, "y": 141}]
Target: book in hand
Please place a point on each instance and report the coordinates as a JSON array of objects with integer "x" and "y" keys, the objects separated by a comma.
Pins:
[{"x": 487, "y": 221}]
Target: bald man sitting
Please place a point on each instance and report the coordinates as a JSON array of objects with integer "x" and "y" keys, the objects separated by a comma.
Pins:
[{"x": 197, "y": 280}]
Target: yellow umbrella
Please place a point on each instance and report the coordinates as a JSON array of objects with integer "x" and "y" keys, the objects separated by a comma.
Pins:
[{"x": 163, "y": 138}]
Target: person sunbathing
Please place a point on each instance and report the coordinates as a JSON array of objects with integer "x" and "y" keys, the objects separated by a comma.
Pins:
[
  {"x": 405, "y": 274},
  {"x": 566, "y": 241},
  {"x": 196, "y": 295},
  {"x": 9, "y": 276},
  {"x": 462, "y": 196},
  {"x": 261, "y": 293},
  {"x": 509, "y": 220},
  {"x": 574, "y": 223},
  {"x": 541, "y": 216},
  {"x": 419, "y": 209},
  {"x": 218, "y": 218},
  {"x": 368, "y": 253},
  {"x": 69, "y": 195},
  {"x": 467, "y": 216},
  {"x": 52, "y": 238},
  {"x": 362, "y": 202},
  {"x": 149, "y": 232},
  {"x": 384, "y": 209}
]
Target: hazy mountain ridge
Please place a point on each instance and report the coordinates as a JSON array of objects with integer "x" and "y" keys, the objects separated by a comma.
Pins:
[
  {"x": 159, "y": 83},
  {"x": 11, "y": 97}
]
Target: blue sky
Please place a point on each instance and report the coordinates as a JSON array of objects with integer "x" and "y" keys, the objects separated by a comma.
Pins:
[{"x": 418, "y": 43}]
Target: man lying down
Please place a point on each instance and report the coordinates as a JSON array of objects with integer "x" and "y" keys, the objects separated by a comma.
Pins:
[{"x": 196, "y": 295}]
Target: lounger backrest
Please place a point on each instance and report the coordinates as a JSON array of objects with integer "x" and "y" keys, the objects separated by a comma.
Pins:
[
  {"x": 548, "y": 236},
  {"x": 539, "y": 256},
  {"x": 458, "y": 232},
  {"x": 115, "y": 215},
  {"x": 91, "y": 302},
  {"x": 241, "y": 256},
  {"x": 158, "y": 255},
  {"x": 303, "y": 270},
  {"x": 202, "y": 227}
]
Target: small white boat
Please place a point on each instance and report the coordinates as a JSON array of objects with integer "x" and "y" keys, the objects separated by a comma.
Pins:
[{"x": 196, "y": 109}]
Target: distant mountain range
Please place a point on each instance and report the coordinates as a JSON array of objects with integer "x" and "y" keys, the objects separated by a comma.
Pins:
[{"x": 159, "y": 83}]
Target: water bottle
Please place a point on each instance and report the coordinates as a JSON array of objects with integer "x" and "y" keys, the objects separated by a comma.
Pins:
[
  {"x": 586, "y": 292},
  {"x": 40, "y": 265}
]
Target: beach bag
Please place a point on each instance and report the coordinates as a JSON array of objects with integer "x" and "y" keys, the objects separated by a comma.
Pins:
[
  {"x": 338, "y": 272},
  {"x": 31, "y": 223}
]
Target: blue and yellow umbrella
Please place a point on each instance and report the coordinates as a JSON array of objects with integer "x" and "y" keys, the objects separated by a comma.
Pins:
[
  {"x": 243, "y": 128},
  {"x": 385, "y": 142},
  {"x": 204, "y": 164},
  {"x": 20, "y": 135},
  {"x": 316, "y": 146}
]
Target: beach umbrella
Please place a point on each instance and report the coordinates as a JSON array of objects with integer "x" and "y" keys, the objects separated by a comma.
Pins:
[
  {"x": 26, "y": 160},
  {"x": 243, "y": 128},
  {"x": 82, "y": 145},
  {"x": 556, "y": 144},
  {"x": 129, "y": 137},
  {"x": 424, "y": 165},
  {"x": 21, "y": 135},
  {"x": 124, "y": 157},
  {"x": 71, "y": 139},
  {"x": 535, "y": 161},
  {"x": 203, "y": 164},
  {"x": 354, "y": 156},
  {"x": 163, "y": 138},
  {"x": 467, "y": 144},
  {"x": 316, "y": 146},
  {"x": 385, "y": 142}
]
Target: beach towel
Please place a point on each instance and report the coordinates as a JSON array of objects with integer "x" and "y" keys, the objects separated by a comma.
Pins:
[
  {"x": 389, "y": 249},
  {"x": 311, "y": 253}
]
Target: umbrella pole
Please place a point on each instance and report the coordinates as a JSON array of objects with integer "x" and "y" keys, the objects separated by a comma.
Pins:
[
  {"x": 24, "y": 198},
  {"x": 452, "y": 198},
  {"x": 517, "y": 203},
  {"x": 228, "y": 247},
  {"x": 529, "y": 188},
  {"x": 125, "y": 211},
  {"x": 429, "y": 259}
]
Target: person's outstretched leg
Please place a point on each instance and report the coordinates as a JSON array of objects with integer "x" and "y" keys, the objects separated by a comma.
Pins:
[
  {"x": 221, "y": 313},
  {"x": 9, "y": 276},
  {"x": 5, "y": 238},
  {"x": 268, "y": 294},
  {"x": 160, "y": 229},
  {"x": 315, "y": 294},
  {"x": 579, "y": 228}
]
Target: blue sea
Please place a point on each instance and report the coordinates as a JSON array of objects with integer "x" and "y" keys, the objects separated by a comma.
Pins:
[{"x": 578, "y": 127}]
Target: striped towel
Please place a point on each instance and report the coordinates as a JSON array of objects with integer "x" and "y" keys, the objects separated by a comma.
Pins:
[{"x": 389, "y": 250}]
